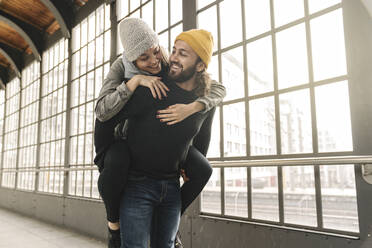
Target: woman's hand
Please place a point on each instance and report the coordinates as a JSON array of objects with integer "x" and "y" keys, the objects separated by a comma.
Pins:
[
  {"x": 178, "y": 112},
  {"x": 157, "y": 87}
]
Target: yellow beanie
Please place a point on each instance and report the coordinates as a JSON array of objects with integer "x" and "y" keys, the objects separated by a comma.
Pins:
[{"x": 201, "y": 41}]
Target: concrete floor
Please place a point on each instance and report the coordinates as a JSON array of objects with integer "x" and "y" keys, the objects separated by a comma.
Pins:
[{"x": 17, "y": 231}]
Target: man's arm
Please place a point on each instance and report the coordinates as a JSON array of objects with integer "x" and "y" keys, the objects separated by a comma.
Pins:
[{"x": 202, "y": 139}]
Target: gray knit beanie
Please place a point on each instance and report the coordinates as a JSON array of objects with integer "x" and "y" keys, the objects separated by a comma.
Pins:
[{"x": 136, "y": 37}]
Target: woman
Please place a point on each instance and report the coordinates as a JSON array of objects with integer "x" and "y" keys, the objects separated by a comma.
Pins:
[{"x": 143, "y": 63}]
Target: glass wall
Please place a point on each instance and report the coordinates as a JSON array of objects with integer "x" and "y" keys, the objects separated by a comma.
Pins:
[
  {"x": 274, "y": 63},
  {"x": 29, "y": 117},
  {"x": 53, "y": 118},
  {"x": 11, "y": 119},
  {"x": 91, "y": 45}
]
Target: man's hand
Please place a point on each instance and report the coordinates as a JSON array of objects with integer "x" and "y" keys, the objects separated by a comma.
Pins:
[
  {"x": 183, "y": 174},
  {"x": 157, "y": 87},
  {"x": 178, "y": 112}
]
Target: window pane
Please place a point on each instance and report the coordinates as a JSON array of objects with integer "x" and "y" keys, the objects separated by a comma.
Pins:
[
  {"x": 316, "y": 5},
  {"x": 211, "y": 194},
  {"x": 134, "y": 4},
  {"x": 91, "y": 57},
  {"x": 265, "y": 203},
  {"x": 99, "y": 50},
  {"x": 295, "y": 122},
  {"x": 257, "y": 17},
  {"x": 91, "y": 26},
  {"x": 234, "y": 130},
  {"x": 100, "y": 12},
  {"x": 203, "y": 3},
  {"x": 214, "y": 145},
  {"x": 176, "y": 11},
  {"x": 213, "y": 68},
  {"x": 262, "y": 126},
  {"x": 122, "y": 8},
  {"x": 299, "y": 195},
  {"x": 107, "y": 44},
  {"x": 334, "y": 134},
  {"x": 84, "y": 32},
  {"x": 161, "y": 14},
  {"x": 292, "y": 57},
  {"x": 340, "y": 209},
  {"x": 148, "y": 14},
  {"x": 233, "y": 73},
  {"x": 75, "y": 40},
  {"x": 260, "y": 66},
  {"x": 328, "y": 46},
  {"x": 231, "y": 22},
  {"x": 287, "y": 11},
  {"x": 236, "y": 202},
  {"x": 163, "y": 40},
  {"x": 174, "y": 32},
  {"x": 208, "y": 20}
]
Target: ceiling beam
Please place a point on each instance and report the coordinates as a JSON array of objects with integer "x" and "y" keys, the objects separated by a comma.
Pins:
[
  {"x": 30, "y": 34},
  {"x": 16, "y": 67},
  {"x": 4, "y": 74},
  {"x": 61, "y": 13}
]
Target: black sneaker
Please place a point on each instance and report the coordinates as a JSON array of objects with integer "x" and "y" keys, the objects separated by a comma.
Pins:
[
  {"x": 114, "y": 240},
  {"x": 177, "y": 242}
]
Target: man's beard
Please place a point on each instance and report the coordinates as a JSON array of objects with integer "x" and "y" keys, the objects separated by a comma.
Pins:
[{"x": 184, "y": 76}]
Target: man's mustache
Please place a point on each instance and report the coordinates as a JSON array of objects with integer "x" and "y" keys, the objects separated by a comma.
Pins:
[{"x": 176, "y": 64}]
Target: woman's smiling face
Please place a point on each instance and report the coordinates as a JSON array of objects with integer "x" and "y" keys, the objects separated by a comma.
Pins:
[{"x": 150, "y": 60}]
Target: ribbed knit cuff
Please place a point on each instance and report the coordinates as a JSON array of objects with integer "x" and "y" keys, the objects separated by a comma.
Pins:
[
  {"x": 207, "y": 107},
  {"x": 124, "y": 92}
]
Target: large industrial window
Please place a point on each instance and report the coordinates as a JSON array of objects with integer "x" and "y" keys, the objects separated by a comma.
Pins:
[
  {"x": 12, "y": 98},
  {"x": 2, "y": 117},
  {"x": 90, "y": 63},
  {"x": 29, "y": 118},
  {"x": 273, "y": 57},
  {"x": 53, "y": 118},
  {"x": 164, "y": 16}
]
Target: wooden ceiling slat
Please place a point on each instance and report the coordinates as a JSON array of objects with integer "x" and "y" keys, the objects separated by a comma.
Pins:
[
  {"x": 54, "y": 26},
  {"x": 31, "y": 11},
  {"x": 10, "y": 37},
  {"x": 4, "y": 62}
]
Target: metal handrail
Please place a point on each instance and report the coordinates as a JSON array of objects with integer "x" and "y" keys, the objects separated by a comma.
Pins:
[
  {"x": 241, "y": 163},
  {"x": 295, "y": 161}
]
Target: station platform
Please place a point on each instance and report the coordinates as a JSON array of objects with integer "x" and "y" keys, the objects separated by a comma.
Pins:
[{"x": 18, "y": 231}]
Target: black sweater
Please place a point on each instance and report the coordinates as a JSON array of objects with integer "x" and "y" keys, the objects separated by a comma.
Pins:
[{"x": 157, "y": 150}]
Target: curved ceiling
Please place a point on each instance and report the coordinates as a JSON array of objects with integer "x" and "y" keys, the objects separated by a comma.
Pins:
[{"x": 25, "y": 23}]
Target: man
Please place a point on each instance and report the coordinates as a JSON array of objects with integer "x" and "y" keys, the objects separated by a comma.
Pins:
[{"x": 152, "y": 195}]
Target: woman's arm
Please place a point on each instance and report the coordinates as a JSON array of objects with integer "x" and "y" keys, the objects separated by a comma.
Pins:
[
  {"x": 216, "y": 94},
  {"x": 178, "y": 112},
  {"x": 115, "y": 93}
]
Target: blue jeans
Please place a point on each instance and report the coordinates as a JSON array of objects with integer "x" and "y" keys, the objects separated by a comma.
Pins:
[{"x": 150, "y": 210}]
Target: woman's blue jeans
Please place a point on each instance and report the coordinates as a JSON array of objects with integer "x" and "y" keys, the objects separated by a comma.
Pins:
[{"x": 150, "y": 212}]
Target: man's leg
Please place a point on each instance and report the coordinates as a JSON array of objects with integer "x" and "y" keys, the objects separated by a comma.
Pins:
[
  {"x": 167, "y": 216},
  {"x": 136, "y": 211}
]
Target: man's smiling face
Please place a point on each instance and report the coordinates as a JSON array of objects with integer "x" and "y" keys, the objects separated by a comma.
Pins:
[{"x": 183, "y": 62}]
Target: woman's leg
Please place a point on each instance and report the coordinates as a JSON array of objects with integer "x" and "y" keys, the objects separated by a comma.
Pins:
[
  {"x": 113, "y": 178},
  {"x": 199, "y": 171}
]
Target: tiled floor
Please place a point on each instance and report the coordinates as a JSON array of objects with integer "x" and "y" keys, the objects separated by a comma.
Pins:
[{"x": 17, "y": 231}]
